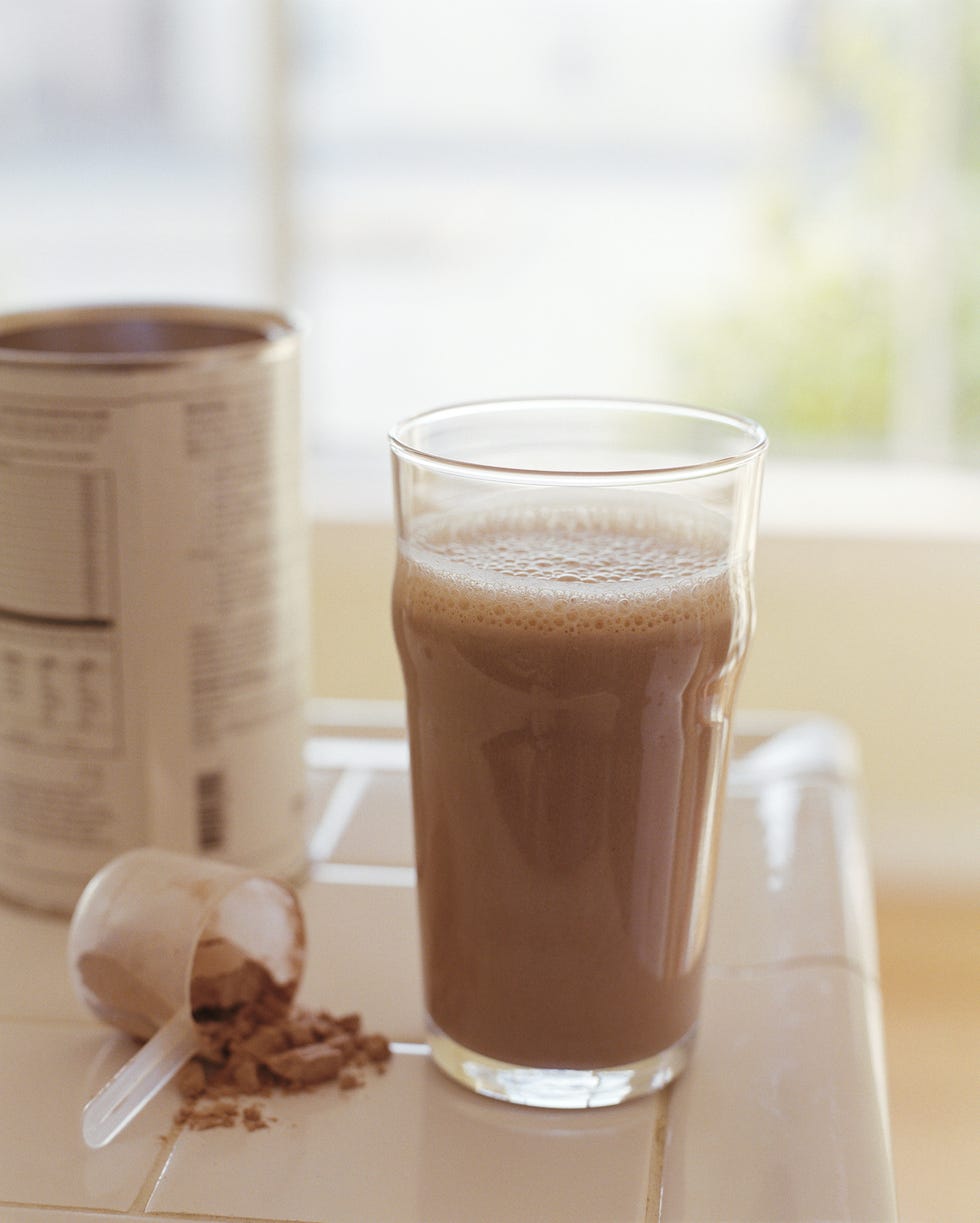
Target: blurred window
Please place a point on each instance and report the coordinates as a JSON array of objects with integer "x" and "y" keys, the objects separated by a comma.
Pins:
[{"x": 769, "y": 206}]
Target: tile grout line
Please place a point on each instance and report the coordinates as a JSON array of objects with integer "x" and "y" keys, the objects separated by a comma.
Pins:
[
  {"x": 364, "y": 874},
  {"x": 658, "y": 1143},
  {"x": 163, "y": 1157},
  {"x": 340, "y": 808},
  {"x": 753, "y": 971},
  {"x": 124, "y": 1213},
  {"x": 380, "y": 755}
]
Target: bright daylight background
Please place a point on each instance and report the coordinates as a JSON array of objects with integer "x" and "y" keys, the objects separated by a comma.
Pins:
[{"x": 768, "y": 206}]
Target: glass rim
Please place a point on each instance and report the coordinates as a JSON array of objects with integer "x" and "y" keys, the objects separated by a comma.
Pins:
[{"x": 751, "y": 432}]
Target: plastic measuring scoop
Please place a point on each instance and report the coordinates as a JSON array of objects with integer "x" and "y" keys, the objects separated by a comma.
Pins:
[
  {"x": 143, "y": 1076},
  {"x": 142, "y": 933}
]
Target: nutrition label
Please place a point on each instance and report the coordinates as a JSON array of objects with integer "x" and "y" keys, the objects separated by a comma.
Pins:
[
  {"x": 60, "y": 687},
  {"x": 59, "y": 659},
  {"x": 243, "y": 665}
]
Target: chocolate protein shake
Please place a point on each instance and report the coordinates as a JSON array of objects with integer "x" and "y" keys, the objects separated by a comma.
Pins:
[{"x": 569, "y": 675}]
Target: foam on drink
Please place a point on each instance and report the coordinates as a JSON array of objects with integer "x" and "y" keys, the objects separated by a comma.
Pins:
[{"x": 565, "y": 570}]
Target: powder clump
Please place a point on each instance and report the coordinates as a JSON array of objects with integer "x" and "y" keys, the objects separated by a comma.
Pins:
[{"x": 254, "y": 1041}]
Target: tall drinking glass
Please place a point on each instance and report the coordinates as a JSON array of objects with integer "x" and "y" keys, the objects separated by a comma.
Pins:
[{"x": 572, "y": 605}]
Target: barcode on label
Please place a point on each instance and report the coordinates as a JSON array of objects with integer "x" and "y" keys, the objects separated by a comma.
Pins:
[{"x": 211, "y": 809}]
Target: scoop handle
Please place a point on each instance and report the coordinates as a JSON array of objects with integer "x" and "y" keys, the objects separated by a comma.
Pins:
[{"x": 135, "y": 1084}]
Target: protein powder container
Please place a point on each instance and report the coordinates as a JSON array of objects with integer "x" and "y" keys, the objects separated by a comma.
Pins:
[{"x": 154, "y": 638}]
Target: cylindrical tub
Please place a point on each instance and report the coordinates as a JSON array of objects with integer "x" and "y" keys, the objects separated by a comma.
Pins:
[{"x": 154, "y": 635}]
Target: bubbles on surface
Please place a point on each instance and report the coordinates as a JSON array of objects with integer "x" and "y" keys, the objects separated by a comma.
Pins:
[{"x": 570, "y": 571}]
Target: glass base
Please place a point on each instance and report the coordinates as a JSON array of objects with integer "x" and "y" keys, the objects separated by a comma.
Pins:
[{"x": 557, "y": 1088}]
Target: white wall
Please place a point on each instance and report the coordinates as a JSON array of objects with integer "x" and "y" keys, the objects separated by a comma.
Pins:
[{"x": 885, "y": 634}]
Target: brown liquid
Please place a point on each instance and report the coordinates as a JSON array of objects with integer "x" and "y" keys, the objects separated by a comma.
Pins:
[{"x": 569, "y": 679}]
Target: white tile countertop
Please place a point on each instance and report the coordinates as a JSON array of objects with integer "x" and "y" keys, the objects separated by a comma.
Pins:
[{"x": 781, "y": 1115}]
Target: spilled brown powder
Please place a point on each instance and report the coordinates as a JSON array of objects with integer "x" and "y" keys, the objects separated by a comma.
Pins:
[{"x": 254, "y": 1042}]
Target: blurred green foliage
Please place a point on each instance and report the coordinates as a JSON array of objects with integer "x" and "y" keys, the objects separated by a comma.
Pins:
[
  {"x": 810, "y": 347},
  {"x": 811, "y": 359}
]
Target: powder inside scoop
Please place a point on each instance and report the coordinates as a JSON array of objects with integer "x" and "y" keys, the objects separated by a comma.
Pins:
[{"x": 224, "y": 976}]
